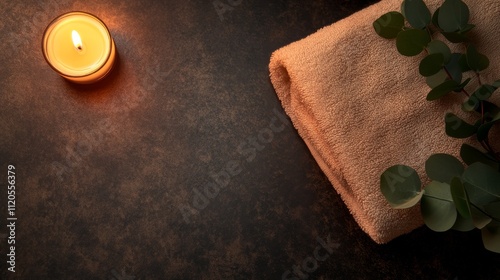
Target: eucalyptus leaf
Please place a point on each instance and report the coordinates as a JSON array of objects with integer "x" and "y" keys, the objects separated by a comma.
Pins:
[
  {"x": 401, "y": 186},
  {"x": 441, "y": 90},
  {"x": 476, "y": 60},
  {"x": 479, "y": 218},
  {"x": 472, "y": 103},
  {"x": 437, "y": 207},
  {"x": 460, "y": 197},
  {"x": 389, "y": 25},
  {"x": 438, "y": 190},
  {"x": 484, "y": 177},
  {"x": 453, "y": 16},
  {"x": 416, "y": 13},
  {"x": 435, "y": 17},
  {"x": 490, "y": 109},
  {"x": 436, "y": 79},
  {"x": 437, "y": 46},
  {"x": 443, "y": 167},
  {"x": 412, "y": 42},
  {"x": 484, "y": 92},
  {"x": 455, "y": 37},
  {"x": 431, "y": 64},
  {"x": 453, "y": 67},
  {"x": 484, "y": 129},
  {"x": 460, "y": 87},
  {"x": 491, "y": 237},
  {"x": 468, "y": 27},
  {"x": 462, "y": 62},
  {"x": 463, "y": 224},
  {"x": 493, "y": 210},
  {"x": 496, "y": 84},
  {"x": 471, "y": 155},
  {"x": 458, "y": 128}
]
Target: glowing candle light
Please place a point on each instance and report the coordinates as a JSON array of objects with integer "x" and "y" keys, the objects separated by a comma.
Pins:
[
  {"x": 79, "y": 47},
  {"x": 77, "y": 40}
]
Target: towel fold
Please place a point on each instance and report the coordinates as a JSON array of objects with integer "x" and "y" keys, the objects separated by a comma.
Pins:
[{"x": 360, "y": 107}]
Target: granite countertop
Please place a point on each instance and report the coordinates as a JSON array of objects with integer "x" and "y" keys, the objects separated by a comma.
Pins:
[{"x": 181, "y": 163}]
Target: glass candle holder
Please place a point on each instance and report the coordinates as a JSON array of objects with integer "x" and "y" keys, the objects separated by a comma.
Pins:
[{"x": 79, "y": 47}]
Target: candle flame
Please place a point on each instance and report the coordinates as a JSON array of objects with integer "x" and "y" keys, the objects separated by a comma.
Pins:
[{"x": 77, "y": 41}]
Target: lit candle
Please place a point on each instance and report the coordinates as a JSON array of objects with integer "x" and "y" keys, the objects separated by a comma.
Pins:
[{"x": 79, "y": 47}]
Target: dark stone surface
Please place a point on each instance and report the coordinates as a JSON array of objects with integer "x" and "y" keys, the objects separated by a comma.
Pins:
[{"x": 102, "y": 171}]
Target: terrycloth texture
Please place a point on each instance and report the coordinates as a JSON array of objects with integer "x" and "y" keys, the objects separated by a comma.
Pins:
[{"x": 360, "y": 107}]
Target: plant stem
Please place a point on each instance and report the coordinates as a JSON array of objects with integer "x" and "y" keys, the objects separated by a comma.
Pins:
[
  {"x": 429, "y": 31},
  {"x": 449, "y": 76},
  {"x": 486, "y": 142},
  {"x": 478, "y": 78}
]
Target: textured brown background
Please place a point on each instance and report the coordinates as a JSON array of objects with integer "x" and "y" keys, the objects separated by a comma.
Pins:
[{"x": 103, "y": 170}]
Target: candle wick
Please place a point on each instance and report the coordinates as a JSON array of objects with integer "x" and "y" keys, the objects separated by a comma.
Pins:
[{"x": 79, "y": 48}]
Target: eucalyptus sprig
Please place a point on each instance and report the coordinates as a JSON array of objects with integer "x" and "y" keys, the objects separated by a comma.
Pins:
[{"x": 462, "y": 195}]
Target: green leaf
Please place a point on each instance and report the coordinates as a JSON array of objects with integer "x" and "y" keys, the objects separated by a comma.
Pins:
[
  {"x": 443, "y": 167},
  {"x": 479, "y": 218},
  {"x": 476, "y": 60},
  {"x": 460, "y": 87},
  {"x": 490, "y": 109},
  {"x": 455, "y": 37},
  {"x": 484, "y": 92},
  {"x": 458, "y": 128},
  {"x": 471, "y": 155},
  {"x": 471, "y": 104},
  {"x": 412, "y": 42},
  {"x": 416, "y": 13},
  {"x": 463, "y": 224},
  {"x": 431, "y": 64},
  {"x": 496, "y": 84},
  {"x": 437, "y": 207},
  {"x": 493, "y": 209},
  {"x": 453, "y": 16},
  {"x": 468, "y": 27},
  {"x": 401, "y": 186},
  {"x": 483, "y": 177},
  {"x": 484, "y": 130},
  {"x": 436, "y": 79},
  {"x": 389, "y": 25},
  {"x": 437, "y": 46},
  {"x": 462, "y": 62},
  {"x": 435, "y": 17},
  {"x": 491, "y": 237},
  {"x": 460, "y": 197},
  {"x": 453, "y": 67},
  {"x": 441, "y": 90},
  {"x": 438, "y": 190}
]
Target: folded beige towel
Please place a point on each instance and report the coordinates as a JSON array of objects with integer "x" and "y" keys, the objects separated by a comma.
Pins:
[{"x": 360, "y": 107}]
